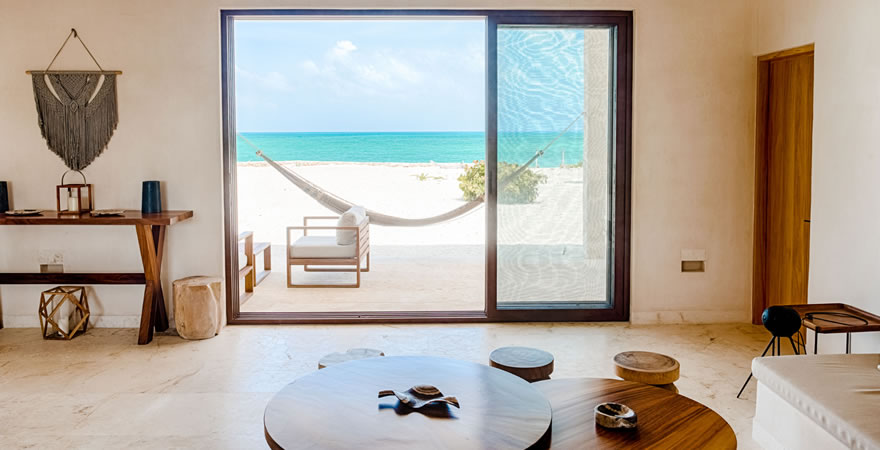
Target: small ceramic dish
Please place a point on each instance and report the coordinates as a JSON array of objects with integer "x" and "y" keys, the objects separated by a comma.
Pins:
[
  {"x": 108, "y": 212},
  {"x": 615, "y": 416},
  {"x": 24, "y": 212}
]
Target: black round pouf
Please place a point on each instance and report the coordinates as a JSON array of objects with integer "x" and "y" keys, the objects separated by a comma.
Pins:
[{"x": 781, "y": 321}]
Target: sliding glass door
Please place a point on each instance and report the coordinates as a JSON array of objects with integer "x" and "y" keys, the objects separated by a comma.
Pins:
[
  {"x": 537, "y": 137},
  {"x": 556, "y": 168}
]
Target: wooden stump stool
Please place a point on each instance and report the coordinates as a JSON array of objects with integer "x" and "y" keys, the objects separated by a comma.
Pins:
[
  {"x": 350, "y": 355},
  {"x": 648, "y": 368},
  {"x": 197, "y": 309},
  {"x": 527, "y": 363}
]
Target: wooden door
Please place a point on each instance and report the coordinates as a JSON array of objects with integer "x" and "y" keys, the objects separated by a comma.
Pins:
[{"x": 786, "y": 129}]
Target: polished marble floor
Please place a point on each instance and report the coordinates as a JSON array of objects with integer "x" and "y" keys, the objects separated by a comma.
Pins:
[{"x": 103, "y": 391}]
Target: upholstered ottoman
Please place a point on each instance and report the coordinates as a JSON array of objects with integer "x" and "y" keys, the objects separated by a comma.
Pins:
[{"x": 817, "y": 401}]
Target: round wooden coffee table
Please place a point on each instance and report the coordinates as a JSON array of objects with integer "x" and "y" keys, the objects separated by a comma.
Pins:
[
  {"x": 338, "y": 407},
  {"x": 665, "y": 419}
]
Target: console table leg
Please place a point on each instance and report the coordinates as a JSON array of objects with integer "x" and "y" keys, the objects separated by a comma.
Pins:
[
  {"x": 161, "y": 316},
  {"x": 148, "y": 247},
  {"x": 848, "y": 343},
  {"x": 145, "y": 332}
]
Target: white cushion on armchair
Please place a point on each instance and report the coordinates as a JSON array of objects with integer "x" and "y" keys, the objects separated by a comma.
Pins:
[
  {"x": 318, "y": 247},
  {"x": 351, "y": 218}
]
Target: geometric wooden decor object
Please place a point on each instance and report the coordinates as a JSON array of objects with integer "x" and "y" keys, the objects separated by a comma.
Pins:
[{"x": 59, "y": 301}]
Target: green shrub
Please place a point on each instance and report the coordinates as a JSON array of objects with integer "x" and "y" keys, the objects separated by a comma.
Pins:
[{"x": 523, "y": 189}]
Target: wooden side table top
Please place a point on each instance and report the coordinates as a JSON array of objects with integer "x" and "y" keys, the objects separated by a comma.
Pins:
[
  {"x": 130, "y": 217},
  {"x": 818, "y": 323},
  {"x": 338, "y": 407},
  {"x": 665, "y": 419}
]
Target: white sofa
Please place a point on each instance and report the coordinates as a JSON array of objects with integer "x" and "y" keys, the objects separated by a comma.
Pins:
[{"x": 817, "y": 402}]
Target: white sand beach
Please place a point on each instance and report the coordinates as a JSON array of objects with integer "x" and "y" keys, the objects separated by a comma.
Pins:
[{"x": 438, "y": 267}]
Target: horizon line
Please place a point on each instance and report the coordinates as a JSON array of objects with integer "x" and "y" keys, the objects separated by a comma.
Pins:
[
  {"x": 371, "y": 131},
  {"x": 407, "y": 131}
]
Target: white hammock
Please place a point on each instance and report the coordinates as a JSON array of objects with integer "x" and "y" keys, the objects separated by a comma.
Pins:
[{"x": 339, "y": 205}]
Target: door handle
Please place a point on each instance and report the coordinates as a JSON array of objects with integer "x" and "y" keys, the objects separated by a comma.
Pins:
[{"x": 806, "y": 220}]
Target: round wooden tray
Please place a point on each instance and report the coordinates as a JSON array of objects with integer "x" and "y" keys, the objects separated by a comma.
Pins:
[
  {"x": 338, "y": 407},
  {"x": 646, "y": 367},
  {"x": 665, "y": 419}
]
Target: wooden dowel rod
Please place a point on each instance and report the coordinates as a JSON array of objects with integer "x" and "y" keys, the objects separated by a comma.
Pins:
[{"x": 103, "y": 72}]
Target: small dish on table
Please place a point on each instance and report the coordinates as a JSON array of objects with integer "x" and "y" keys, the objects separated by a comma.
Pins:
[
  {"x": 108, "y": 212},
  {"x": 24, "y": 212}
]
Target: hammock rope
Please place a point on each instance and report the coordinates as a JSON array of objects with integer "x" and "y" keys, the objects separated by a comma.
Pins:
[{"x": 339, "y": 205}]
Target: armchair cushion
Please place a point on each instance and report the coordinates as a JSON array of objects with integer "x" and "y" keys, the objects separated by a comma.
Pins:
[
  {"x": 242, "y": 257},
  {"x": 351, "y": 218},
  {"x": 318, "y": 247}
]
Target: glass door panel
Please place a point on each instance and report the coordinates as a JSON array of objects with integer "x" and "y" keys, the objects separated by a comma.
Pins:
[{"x": 555, "y": 170}]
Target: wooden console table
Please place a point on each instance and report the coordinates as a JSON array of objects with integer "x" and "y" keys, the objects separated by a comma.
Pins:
[{"x": 150, "y": 230}]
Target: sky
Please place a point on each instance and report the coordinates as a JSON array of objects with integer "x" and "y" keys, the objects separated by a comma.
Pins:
[
  {"x": 363, "y": 75},
  {"x": 360, "y": 75}
]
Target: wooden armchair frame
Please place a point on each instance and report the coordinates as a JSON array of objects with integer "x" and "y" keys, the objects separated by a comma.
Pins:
[
  {"x": 249, "y": 271},
  {"x": 362, "y": 250},
  {"x": 251, "y": 249}
]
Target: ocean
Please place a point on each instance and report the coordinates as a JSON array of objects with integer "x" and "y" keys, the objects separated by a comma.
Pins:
[{"x": 412, "y": 147}]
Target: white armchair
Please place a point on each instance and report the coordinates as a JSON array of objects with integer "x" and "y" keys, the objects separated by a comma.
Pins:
[{"x": 349, "y": 247}]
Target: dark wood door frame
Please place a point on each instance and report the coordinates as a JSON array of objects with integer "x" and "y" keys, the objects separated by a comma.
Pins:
[
  {"x": 759, "y": 268},
  {"x": 617, "y": 308}
]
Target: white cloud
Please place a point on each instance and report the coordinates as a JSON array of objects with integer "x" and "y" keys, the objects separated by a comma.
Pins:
[
  {"x": 275, "y": 81},
  {"x": 371, "y": 74},
  {"x": 343, "y": 48},
  {"x": 367, "y": 72},
  {"x": 403, "y": 71}
]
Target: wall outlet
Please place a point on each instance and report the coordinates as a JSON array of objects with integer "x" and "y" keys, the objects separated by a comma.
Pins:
[{"x": 51, "y": 256}]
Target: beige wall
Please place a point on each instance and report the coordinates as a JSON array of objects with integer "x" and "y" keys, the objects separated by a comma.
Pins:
[
  {"x": 844, "y": 239},
  {"x": 692, "y": 144}
]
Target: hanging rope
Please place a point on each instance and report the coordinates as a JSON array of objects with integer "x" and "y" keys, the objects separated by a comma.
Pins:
[{"x": 73, "y": 33}]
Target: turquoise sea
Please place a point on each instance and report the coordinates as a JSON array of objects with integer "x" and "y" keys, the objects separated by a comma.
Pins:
[{"x": 412, "y": 147}]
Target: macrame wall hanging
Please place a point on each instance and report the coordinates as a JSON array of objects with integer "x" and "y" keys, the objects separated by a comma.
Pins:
[{"x": 76, "y": 109}]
